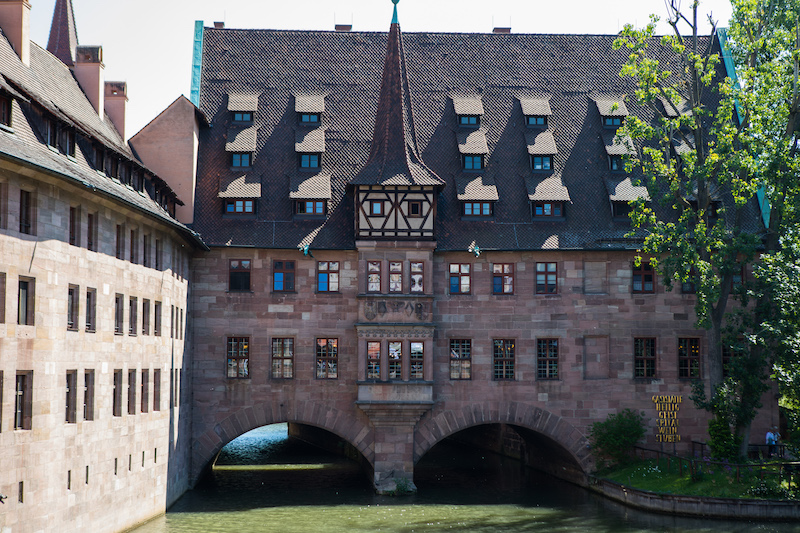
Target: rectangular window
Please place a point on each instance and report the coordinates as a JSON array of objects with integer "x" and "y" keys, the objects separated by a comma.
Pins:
[
  {"x": 327, "y": 356},
  {"x": 133, "y": 305},
  {"x": 75, "y": 226},
  {"x": 612, "y": 122},
  {"x": 541, "y": 162},
  {"x": 51, "y": 133},
  {"x": 503, "y": 359},
  {"x": 239, "y": 275},
  {"x": 533, "y": 121},
  {"x": 180, "y": 325},
  {"x": 548, "y": 209},
  {"x": 473, "y": 162},
  {"x": 375, "y": 208},
  {"x": 157, "y": 389},
  {"x": 417, "y": 360},
  {"x": 546, "y": 278},
  {"x": 240, "y": 160},
  {"x": 644, "y": 358},
  {"x": 282, "y": 358},
  {"x": 374, "y": 276},
  {"x": 477, "y": 209},
  {"x": 159, "y": 255},
  {"x": 309, "y": 118},
  {"x": 25, "y": 302},
  {"x": 242, "y": 116},
  {"x": 145, "y": 317},
  {"x": 503, "y": 278},
  {"x": 71, "y": 397},
  {"x": 72, "y": 307},
  {"x": 283, "y": 276},
  {"x": 643, "y": 281},
  {"x": 328, "y": 276},
  {"x": 23, "y": 404},
  {"x": 239, "y": 357},
  {"x": 117, "y": 397},
  {"x": 131, "y": 392},
  {"x": 373, "y": 360},
  {"x": 5, "y": 110},
  {"x": 689, "y": 358},
  {"x": 309, "y": 160},
  {"x": 615, "y": 163},
  {"x": 547, "y": 358},
  {"x": 395, "y": 276},
  {"x": 134, "y": 248},
  {"x": 88, "y": 395},
  {"x": 91, "y": 232},
  {"x": 171, "y": 321},
  {"x": 145, "y": 399},
  {"x": 460, "y": 278},
  {"x": 27, "y": 212},
  {"x": 239, "y": 207},
  {"x": 395, "y": 360},
  {"x": 120, "y": 242},
  {"x": 118, "y": 313},
  {"x": 146, "y": 251},
  {"x": 468, "y": 120},
  {"x": 67, "y": 142},
  {"x": 310, "y": 207},
  {"x": 460, "y": 359},
  {"x": 157, "y": 319},
  {"x": 417, "y": 277},
  {"x": 414, "y": 209},
  {"x": 690, "y": 285}
]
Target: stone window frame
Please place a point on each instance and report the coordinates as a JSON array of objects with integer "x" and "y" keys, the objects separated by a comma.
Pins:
[
  {"x": 283, "y": 352},
  {"x": 120, "y": 242},
  {"x": 460, "y": 274},
  {"x": 116, "y": 401},
  {"x": 283, "y": 275},
  {"x": 547, "y": 272},
  {"x": 689, "y": 358},
  {"x": 645, "y": 357},
  {"x": 145, "y": 316},
  {"x": 88, "y": 394},
  {"x": 328, "y": 276},
  {"x": 239, "y": 275},
  {"x": 394, "y": 360},
  {"x": 417, "y": 277},
  {"x": 395, "y": 276},
  {"x": 502, "y": 279},
  {"x": 374, "y": 356},
  {"x": 374, "y": 277},
  {"x": 642, "y": 271},
  {"x": 71, "y": 397},
  {"x": 131, "y": 391},
  {"x": 326, "y": 358},
  {"x": 23, "y": 400},
  {"x": 73, "y": 307},
  {"x": 27, "y": 211},
  {"x": 133, "y": 316},
  {"x": 156, "y": 389},
  {"x": 144, "y": 400},
  {"x": 416, "y": 361},
  {"x": 237, "y": 351},
  {"x": 91, "y": 231},
  {"x": 26, "y": 301},
  {"x": 547, "y": 359},
  {"x": 460, "y": 352},
  {"x": 157, "y": 318},
  {"x": 503, "y": 356}
]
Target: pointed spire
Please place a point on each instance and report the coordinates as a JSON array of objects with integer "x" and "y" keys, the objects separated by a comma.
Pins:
[
  {"x": 394, "y": 158},
  {"x": 394, "y": 15},
  {"x": 63, "y": 35}
]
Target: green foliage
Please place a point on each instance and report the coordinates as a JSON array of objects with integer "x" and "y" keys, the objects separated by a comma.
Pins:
[
  {"x": 723, "y": 443},
  {"x": 613, "y": 439}
]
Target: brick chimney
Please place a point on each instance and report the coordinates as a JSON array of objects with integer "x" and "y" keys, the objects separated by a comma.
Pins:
[
  {"x": 116, "y": 96},
  {"x": 219, "y": 25},
  {"x": 15, "y": 20},
  {"x": 502, "y": 29},
  {"x": 89, "y": 71},
  {"x": 344, "y": 27}
]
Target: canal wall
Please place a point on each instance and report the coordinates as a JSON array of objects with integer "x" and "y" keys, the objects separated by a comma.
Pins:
[{"x": 730, "y": 508}]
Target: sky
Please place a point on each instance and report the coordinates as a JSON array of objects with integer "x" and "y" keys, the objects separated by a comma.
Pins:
[{"x": 148, "y": 43}]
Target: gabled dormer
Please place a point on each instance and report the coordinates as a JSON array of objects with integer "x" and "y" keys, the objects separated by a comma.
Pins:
[
  {"x": 469, "y": 110},
  {"x": 612, "y": 111}
]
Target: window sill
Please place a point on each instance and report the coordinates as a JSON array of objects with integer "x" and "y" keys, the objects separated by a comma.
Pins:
[
  {"x": 90, "y": 330},
  {"x": 6, "y": 128},
  {"x": 73, "y": 329}
]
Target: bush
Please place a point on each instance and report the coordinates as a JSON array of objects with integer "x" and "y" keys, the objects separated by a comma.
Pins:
[
  {"x": 723, "y": 443},
  {"x": 613, "y": 440}
]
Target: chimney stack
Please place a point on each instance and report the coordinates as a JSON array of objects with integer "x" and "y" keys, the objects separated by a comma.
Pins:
[
  {"x": 219, "y": 25},
  {"x": 116, "y": 96},
  {"x": 344, "y": 27},
  {"x": 15, "y": 21},
  {"x": 89, "y": 71},
  {"x": 506, "y": 29}
]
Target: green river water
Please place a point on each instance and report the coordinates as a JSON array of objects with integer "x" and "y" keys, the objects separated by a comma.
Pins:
[{"x": 264, "y": 482}]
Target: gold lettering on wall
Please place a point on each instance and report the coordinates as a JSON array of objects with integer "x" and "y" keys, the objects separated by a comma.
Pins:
[{"x": 667, "y": 408}]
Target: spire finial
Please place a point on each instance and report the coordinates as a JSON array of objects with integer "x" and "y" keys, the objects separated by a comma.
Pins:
[{"x": 394, "y": 15}]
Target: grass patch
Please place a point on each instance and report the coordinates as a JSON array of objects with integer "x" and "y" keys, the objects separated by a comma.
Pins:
[{"x": 709, "y": 480}]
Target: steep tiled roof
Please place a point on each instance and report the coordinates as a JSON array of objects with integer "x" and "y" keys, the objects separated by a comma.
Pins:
[
  {"x": 472, "y": 142},
  {"x": 467, "y": 105},
  {"x": 241, "y": 139},
  {"x": 611, "y": 106},
  {"x": 309, "y": 103},
  {"x": 309, "y": 141},
  {"x": 535, "y": 106},
  {"x": 240, "y": 187},
  {"x": 570, "y": 72},
  {"x": 541, "y": 143},
  {"x": 63, "y": 35},
  {"x": 242, "y": 102},
  {"x": 305, "y": 187},
  {"x": 48, "y": 84},
  {"x": 623, "y": 190}
]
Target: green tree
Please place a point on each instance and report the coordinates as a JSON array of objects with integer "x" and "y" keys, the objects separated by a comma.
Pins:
[{"x": 717, "y": 146}]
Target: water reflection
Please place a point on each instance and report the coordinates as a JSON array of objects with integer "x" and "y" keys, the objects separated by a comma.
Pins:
[{"x": 304, "y": 489}]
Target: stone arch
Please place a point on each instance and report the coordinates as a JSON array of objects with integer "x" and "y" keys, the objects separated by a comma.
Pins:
[
  {"x": 313, "y": 413},
  {"x": 442, "y": 423}
]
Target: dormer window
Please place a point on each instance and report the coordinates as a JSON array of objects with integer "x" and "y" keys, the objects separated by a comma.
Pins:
[
  {"x": 309, "y": 118},
  {"x": 67, "y": 144},
  {"x": 243, "y": 116},
  {"x": 541, "y": 162},
  {"x": 469, "y": 110},
  {"x": 621, "y": 210},
  {"x": 309, "y": 108},
  {"x": 238, "y": 206},
  {"x": 469, "y": 120},
  {"x": 548, "y": 209},
  {"x": 5, "y": 110},
  {"x": 99, "y": 159},
  {"x": 612, "y": 122},
  {"x": 477, "y": 209},
  {"x": 310, "y": 161},
  {"x": 51, "y": 133},
  {"x": 473, "y": 162},
  {"x": 536, "y": 121},
  {"x": 241, "y": 159},
  {"x": 310, "y": 207},
  {"x": 615, "y": 163}
]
